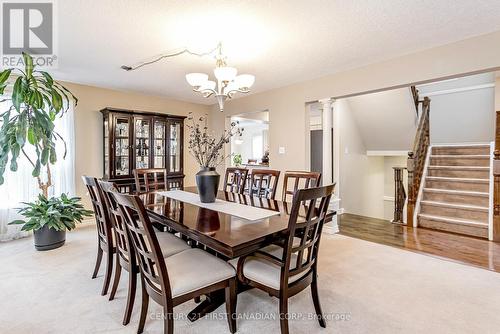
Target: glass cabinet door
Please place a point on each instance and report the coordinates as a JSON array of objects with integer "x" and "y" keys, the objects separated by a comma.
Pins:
[
  {"x": 106, "y": 146},
  {"x": 122, "y": 147},
  {"x": 142, "y": 144},
  {"x": 159, "y": 138},
  {"x": 174, "y": 133}
]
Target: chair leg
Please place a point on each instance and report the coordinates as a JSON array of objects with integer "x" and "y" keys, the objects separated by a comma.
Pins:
[
  {"x": 116, "y": 280},
  {"x": 144, "y": 308},
  {"x": 317, "y": 305},
  {"x": 284, "y": 314},
  {"x": 231, "y": 301},
  {"x": 168, "y": 321},
  {"x": 132, "y": 284},
  {"x": 109, "y": 271},
  {"x": 97, "y": 262}
]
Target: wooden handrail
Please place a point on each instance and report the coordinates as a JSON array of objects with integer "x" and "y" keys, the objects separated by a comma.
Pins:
[
  {"x": 417, "y": 157},
  {"x": 496, "y": 181},
  {"x": 399, "y": 195},
  {"x": 416, "y": 97}
]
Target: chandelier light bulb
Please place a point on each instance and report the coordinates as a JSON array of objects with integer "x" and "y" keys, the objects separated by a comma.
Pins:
[
  {"x": 225, "y": 73},
  {"x": 197, "y": 79},
  {"x": 244, "y": 81}
]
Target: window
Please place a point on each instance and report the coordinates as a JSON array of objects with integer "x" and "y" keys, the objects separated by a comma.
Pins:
[{"x": 21, "y": 186}]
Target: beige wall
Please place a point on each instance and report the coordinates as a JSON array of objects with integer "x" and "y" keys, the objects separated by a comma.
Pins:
[
  {"x": 288, "y": 124},
  {"x": 88, "y": 126}
]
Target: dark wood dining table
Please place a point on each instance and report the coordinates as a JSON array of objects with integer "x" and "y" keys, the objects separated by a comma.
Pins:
[{"x": 227, "y": 235}]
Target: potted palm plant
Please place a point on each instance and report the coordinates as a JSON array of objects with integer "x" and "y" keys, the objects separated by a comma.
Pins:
[
  {"x": 36, "y": 100},
  {"x": 208, "y": 151}
]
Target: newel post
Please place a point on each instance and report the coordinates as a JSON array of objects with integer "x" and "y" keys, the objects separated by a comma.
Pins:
[
  {"x": 411, "y": 191},
  {"x": 399, "y": 195}
]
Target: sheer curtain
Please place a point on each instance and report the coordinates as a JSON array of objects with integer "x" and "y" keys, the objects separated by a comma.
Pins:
[{"x": 21, "y": 186}]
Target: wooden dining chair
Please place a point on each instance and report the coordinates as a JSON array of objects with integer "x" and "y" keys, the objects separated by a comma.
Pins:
[
  {"x": 263, "y": 182},
  {"x": 176, "y": 279},
  {"x": 125, "y": 253},
  {"x": 287, "y": 270},
  {"x": 235, "y": 179},
  {"x": 150, "y": 179},
  {"x": 300, "y": 180},
  {"x": 104, "y": 230}
]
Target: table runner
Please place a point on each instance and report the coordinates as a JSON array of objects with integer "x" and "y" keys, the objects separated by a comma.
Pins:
[{"x": 235, "y": 209}]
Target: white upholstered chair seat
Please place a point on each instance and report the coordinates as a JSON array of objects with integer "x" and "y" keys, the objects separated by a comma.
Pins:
[
  {"x": 170, "y": 244},
  {"x": 265, "y": 272},
  {"x": 194, "y": 269}
]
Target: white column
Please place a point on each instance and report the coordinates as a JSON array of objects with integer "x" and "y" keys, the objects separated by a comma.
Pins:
[
  {"x": 327, "y": 174},
  {"x": 327, "y": 125}
]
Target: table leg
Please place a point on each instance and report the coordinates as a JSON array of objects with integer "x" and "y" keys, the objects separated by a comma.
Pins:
[{"x": 212, "y": 302}]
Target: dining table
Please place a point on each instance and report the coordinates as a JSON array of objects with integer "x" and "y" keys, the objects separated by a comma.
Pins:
[{"x": 226, "y": 234}]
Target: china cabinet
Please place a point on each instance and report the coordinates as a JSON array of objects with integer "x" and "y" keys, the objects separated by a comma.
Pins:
[{"x": 137, "y": 139}]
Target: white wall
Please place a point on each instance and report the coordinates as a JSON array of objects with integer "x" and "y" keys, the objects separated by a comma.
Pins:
[
  {"x": 361, "y": 176},
  {"x": 465, "y": 116},
  {"x": 386, "y": 119}
]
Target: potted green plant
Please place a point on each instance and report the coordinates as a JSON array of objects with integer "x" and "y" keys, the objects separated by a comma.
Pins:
[
  {"x": 237, "y": 160},
  {"x": 36, "y": 101},
  {"x": 49, "y": 218}
]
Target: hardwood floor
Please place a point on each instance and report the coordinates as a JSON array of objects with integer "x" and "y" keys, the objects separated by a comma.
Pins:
[{"x": 467, "y": 250}]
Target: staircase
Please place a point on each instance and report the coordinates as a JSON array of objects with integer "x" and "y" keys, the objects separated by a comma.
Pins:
[{"x": 455, "y": 196}]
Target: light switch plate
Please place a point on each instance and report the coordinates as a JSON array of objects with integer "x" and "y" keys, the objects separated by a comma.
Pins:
[{"x": 281, "y": 150}]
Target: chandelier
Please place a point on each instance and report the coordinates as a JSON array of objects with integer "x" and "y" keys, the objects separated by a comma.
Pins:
[{"x": 227, "y": 83}]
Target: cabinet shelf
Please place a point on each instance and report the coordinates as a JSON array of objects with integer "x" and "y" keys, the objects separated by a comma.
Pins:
[{"x": 121, "y": 154}]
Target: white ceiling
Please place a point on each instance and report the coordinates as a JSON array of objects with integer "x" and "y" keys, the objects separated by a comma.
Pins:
[{"x": 280, "y": 42}]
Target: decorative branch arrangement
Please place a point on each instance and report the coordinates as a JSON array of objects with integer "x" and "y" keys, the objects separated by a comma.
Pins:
[{"x": 206, "y": 148}]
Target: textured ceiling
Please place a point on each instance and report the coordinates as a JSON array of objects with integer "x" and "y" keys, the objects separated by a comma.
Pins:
[{"x": 280, "y": 42}]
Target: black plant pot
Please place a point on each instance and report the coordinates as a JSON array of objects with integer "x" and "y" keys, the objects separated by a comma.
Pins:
[
  {"x": 47, "y": 238},
  {"x": 207, "y": 181}
]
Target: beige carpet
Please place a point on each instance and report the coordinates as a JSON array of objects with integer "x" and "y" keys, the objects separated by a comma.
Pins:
[{"x": 364, "y": 288}]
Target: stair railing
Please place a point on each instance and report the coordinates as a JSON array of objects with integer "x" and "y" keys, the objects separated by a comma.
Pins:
[
  {"x": 399, "y": 195},
  {"x": 496, "y": 181},
  {"x": 417, "y": 157}
]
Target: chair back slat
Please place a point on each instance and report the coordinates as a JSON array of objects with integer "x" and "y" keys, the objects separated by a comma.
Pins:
[
  {"x": 299, "y": 180},
  {"x": 123, "y": 243},
  {"x": 104, "y": 227},
  {"x": 145, "y": 243},
  {"x": 235, "y": 179},
  {"x": 150, "y": 179},
  {"x": 263, "y": 182},
  {"x": 308, "y": 214}
]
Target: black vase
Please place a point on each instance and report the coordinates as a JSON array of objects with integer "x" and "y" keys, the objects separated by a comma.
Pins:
[
  {"x": 207, "y": 181},
  {"x": 47, "y": 238}
]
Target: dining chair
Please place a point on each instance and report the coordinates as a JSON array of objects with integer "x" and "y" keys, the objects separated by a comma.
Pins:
[
  {"x": 150, "y": 179},
  {"x": 301, "y": 180},
  {"x": 235, "y": 179},
  {"x": 104, "y": 230},
  {"x": 178, "y": 278},
  {"x": 125, "y": 254},
  {"x": 263, "y": 183},
  {"x": 283, "y": 271}
]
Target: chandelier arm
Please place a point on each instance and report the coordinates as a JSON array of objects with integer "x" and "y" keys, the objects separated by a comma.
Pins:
[
  {"x": 169, "y": 55},
  {"x": 206, "y": 92}
]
